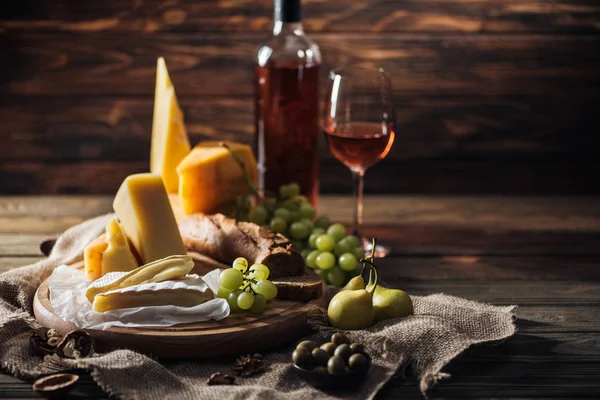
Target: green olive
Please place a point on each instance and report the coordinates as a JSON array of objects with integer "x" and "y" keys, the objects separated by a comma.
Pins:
[
  {"x": 301, "y": 356},
  {"x": 336, "y": 365},
  {"x": 320, "y": 357},
  {"x": 320, "y": 369},
  {"x": 308, "y": 345},
  {"x": 357, "y": 348},
  {"x": 357, "y": 361},
  {"x": 328, "y": 347},
  {"x": 339, "y": 338},
  {"x": 343, "y": 351}
]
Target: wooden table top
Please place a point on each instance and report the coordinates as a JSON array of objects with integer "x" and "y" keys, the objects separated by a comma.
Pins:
[{"x": 540, "y": 253}]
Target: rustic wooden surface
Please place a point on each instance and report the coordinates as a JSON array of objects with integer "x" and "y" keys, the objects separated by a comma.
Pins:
[
  {"x": 538, "y": 252},
  {"x": 492, "y": 96}
]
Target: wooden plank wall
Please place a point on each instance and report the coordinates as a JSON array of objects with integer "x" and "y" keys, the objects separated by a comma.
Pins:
[{"x": 492, "y": 96}]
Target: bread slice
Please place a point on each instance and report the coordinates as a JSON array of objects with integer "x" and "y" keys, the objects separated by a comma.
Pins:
[{"x": 299, "y": 288}]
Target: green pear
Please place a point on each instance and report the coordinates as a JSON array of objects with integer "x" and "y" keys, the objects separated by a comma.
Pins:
[
  {"x": 355, "y": 283},
  {"x": 351, "y": 309},
  {"x": 391, "y": 303}
]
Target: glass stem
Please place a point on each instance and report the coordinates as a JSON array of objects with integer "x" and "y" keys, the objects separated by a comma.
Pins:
[{"x": 358, "y": 186}]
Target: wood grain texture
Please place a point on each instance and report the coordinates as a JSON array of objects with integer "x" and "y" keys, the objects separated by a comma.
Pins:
[
  {"x": 55, "y": 64},
  {"x": 146, "y": 16}
]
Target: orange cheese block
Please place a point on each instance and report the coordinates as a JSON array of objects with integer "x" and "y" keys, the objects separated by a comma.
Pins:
[
  {"x": 92, "y": 257},
  {"x": 210, "y": 178}
]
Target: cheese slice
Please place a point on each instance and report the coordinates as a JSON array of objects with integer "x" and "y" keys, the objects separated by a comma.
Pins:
[
  {"x": 92, "y": 256},
  {"x": 117, "y": 256},
  {"x": 167, "y": 297},
  {"x": 210, "y": 179},
  {"x": 169, "y": 268},
  {"x": 143, "y": 208},
  {"x": 170, "y": 143}
]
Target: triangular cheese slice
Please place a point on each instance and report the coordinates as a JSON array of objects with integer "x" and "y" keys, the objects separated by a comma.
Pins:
[{"x": 170, "y": 143}]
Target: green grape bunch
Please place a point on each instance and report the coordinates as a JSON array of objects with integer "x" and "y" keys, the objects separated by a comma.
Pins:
[
  {"x": 246, "y": 288},
  {"x": 325, "y": 247}
]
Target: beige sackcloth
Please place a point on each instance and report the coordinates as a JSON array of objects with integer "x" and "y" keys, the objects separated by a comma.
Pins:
[{"x": 443, "y": 327}]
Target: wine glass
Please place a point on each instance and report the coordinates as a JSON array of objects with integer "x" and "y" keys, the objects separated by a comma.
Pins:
[{"x": 359, "y": 127}]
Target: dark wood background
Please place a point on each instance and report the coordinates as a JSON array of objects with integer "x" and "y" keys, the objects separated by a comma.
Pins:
[{"x": 492, "y": 96}]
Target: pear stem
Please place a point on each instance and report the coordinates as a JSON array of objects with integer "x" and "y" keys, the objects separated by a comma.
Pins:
[{"x": 373, "y": 276}]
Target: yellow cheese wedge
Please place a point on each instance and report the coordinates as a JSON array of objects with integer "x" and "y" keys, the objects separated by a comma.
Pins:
[
  {"x": 92, "y": 256},
  {"x": 170, "y": 143},
  {"x": 117, "y": 256},
  {"x": 166, "y": 269},
  {"x": 176, "y": 297},
  {"x": 210, "y": 179},
  {"x": 143, "y": 208}
]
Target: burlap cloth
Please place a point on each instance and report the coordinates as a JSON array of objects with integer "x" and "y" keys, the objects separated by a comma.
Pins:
[{"x": 442, "y": 327}]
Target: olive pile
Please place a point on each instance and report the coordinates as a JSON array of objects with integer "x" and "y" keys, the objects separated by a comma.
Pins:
[{"x": 335, "y": 357}]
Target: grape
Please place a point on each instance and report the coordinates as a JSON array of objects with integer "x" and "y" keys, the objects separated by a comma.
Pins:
[
  {"x": 223, "y": 293},
  {"x": 312, "y": 239},
  {"x": 289, "y": 191},
  {"x": 338, "y": 231},
  {"x": 232, "y": 300},
  {"x": 298, "y": 230},
  {"x": 278, "y": 225},
  {"x": 269, "y": 203},
  {"x": 302, "y": 199},
  {"x": 265, "y": 288},
  {"x": 309, "y": 224},
  {"x": 258, "y": 215},
  {"x": 304, "y": 253},
  {"x": 231, "y": 278},
  {"x": 245, "y": 300},
  {"x": 322, "y": 222},
  {"x": 352, "y": 241},
  {"x": 322, "y": 274},
  {"x": 307, "y": 211},
  {"x": 341, "y": 248},
  {"x": 283, "y": 213},
  {"x": 241, "y": 264},
  {"x": 260, "y": 304},
  {"x": 359, "y": 253},
  {"x": 259, "y": 271},
  {"x": 311, "y": 258},
  {"x": 298, "y": 245},
  {"x": 325, "y": 243},
  {"x": 325, "y": 260},
  {"x": 336, "y": 276},
  {"x": 295, "y": 216},
  {"x": 290, "y": 205},
  {"x": 318, "y": 230},
  {"x": 347, "y": 262}
]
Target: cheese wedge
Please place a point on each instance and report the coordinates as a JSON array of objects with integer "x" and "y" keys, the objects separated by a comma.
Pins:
[
  {"x": 117, "y": 256},
  {"x": 143, "y": 208},
  {"x": 175, "y": 297},
  {"x": 92, "y": 256},
  {"x": 170, "y": 143},
  {"x": 169, "y": 268},
  {"x": 210, "y": 179}
]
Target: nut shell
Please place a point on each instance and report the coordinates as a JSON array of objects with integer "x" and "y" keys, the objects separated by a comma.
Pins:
[
  {"x": 76, "y": 344},
  {"x": 55, "y": 386}
]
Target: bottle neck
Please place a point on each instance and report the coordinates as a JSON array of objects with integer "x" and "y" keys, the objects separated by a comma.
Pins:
[{"x": 287, "y": 28}]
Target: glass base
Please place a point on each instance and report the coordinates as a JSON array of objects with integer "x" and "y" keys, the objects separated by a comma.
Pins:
[{"x": 380, "y": 250}]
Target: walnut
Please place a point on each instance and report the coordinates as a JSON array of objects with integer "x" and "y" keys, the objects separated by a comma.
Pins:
[
  {"x": 219, "y": 378},
  {"x": 76, "y": 344}
]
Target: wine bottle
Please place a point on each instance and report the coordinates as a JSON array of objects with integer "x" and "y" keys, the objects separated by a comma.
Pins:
[{"x": 287, "y": 105}]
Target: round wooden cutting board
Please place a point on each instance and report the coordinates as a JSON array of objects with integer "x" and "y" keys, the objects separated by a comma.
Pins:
[{"x": 283, "y": 321}]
